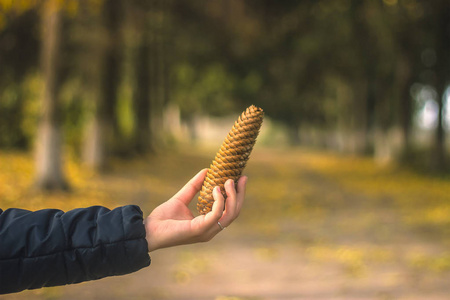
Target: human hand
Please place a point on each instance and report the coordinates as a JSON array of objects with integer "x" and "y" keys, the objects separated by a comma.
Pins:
[{"x": 172, "y": 223}]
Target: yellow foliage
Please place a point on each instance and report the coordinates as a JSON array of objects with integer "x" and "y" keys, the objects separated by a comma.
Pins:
[
  {"x": 17, "y": 5},
  {"x": 72, "y": 7},
  {"x": 422, "y": 199},
  {"x": 355, "y": 259},
  {"x": 16, "y": 182},
  {"x": 436, "y": 263},
  {"x": 190, "y": 264}
]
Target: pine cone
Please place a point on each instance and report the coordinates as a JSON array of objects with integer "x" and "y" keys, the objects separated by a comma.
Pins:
[{"x": 232, "y": 157}]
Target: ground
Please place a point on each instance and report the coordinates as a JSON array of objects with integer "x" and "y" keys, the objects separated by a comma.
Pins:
[{"x": 314, "y": 226}]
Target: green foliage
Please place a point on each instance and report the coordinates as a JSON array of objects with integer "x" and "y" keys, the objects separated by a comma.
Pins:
[
  {"x": 10, "y": 112},
  {"x": 124, "y": 110},
  {"x": 204, "y": 90},
  {"x": 74, "y": 113},
  {"x": 337, "y": 65},
  {"x": 19, "y": 112}
]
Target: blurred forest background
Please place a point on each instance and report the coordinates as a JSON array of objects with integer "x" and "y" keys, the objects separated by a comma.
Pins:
[
  {"x": 118, "y": 78},
  {"x": 115, "y": 102}
]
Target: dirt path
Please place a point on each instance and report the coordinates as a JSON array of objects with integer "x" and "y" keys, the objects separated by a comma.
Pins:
[{"x": 302, "y": 235}]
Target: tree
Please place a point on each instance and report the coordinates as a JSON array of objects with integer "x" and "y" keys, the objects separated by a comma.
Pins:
[
  {"x": 142, "y": 134},
  {"x": 103, "y": 129},
  {"x": 408, "y": 30},
  {"x": 442, "y": 42},
  {"x": 49, "y": 169}
]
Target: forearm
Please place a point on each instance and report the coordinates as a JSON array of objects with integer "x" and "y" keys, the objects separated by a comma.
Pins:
[{"x": 50, "y": 247}]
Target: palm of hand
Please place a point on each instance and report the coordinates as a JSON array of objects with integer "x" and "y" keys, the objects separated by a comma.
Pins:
[
  {"x": 173, "y": 209},
  {"x": 172, "y": 223},
  {"x": 171, "y": 220}
]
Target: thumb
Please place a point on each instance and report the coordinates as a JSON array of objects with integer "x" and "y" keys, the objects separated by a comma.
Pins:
[{"x": 187, "y": 193}]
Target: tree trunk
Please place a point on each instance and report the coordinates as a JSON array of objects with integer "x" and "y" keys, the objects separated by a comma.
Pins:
[
  {"x": 49, "y": 140},
  {"x": 104, "y": 129},
  {"x": 141, "y": 99},
  {"x": 443, "y": 79},
  {"x": 439, "y": 152},
  {"x": 111, "y": 62},
  {"x": 405, "y": 108},
  {"x": 159, "y": 74},
  {"x": 365, "y": 99},
  {"x": 359, "y": 122},
  {"x": 94, "y": 154},
  {"x": 294, "y": 134},
  {"x": 155, "y": 79}
]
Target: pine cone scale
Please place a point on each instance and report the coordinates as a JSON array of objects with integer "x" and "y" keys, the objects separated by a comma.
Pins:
[{"x": 232, "y": 156}]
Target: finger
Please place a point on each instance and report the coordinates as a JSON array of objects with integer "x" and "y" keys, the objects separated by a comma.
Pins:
[
  {"x": 217, "y": 209},
  {"x": 240, "y": 195},
  {"x": 230, "y": 204},
  {"x": 191, "y": 188},
  {"x": 211, "y": 218}
]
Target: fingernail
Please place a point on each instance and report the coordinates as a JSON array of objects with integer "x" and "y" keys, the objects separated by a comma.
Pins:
[
  {"x": 218, "y": 188},
  {"x": 232, "y": 182}
]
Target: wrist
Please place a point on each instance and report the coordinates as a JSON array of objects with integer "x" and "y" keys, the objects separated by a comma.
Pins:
[{"x": 147, "y": 235}]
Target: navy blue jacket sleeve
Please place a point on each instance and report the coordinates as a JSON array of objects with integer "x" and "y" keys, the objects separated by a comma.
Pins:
[{"x": 50, "y": 247}]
